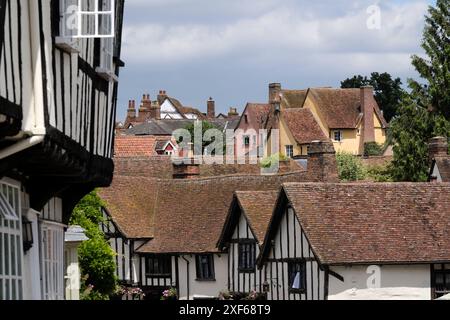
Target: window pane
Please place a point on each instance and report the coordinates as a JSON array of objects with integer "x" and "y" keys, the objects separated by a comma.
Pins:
[
  {"x": 104, "y": 5},
  {"x": 7, "y": 290},
  {"x": 1, "y": 289},
  {"x": 88, "y": 24},
  {"x": 87, "y": 5},
  {"x": 105, "y": 24},
  {"x": 13, "y": 255},
  {"x": 1, "y": 254},
  {"x": 19, "y": 256},
  {"x": 13, "y": 290},
  {"x": 6, "y": 242},
  {"x": 20, "y": 290}
]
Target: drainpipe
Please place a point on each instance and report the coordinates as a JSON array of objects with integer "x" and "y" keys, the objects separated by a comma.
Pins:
[{"x": 187, "y": 276}]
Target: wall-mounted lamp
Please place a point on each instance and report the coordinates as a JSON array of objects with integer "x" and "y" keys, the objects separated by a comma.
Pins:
[{"x": 27, "y": 234}]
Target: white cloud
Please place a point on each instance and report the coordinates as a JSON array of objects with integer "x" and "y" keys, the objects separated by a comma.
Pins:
[{"x": 283, "y": 31}]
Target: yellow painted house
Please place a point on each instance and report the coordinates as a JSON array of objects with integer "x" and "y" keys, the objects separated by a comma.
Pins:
[{"x": 347, "y": 117}]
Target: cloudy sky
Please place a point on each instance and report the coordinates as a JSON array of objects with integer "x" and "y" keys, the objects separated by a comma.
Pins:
[{"x": 232, "y": 49}]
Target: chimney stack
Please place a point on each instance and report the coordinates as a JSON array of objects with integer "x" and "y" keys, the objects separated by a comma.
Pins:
[
  {"x": 437, "y": 147},
  {"x": 211, "y": 109},
  {"x": 322, "y": 165},
  {"x": 131, "y": 112},
  {"x": 233, "y": 113},
  {"x": 274, "y": 92},
  {"x": 367, "y": 108},
  {"x": 161, "y": 96},
  {"x": 155, "y": 111},
  {"x": 186, "y": 171}
]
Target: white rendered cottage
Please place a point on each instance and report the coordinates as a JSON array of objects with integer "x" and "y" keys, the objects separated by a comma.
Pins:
[{"x": 359, "y": 241}]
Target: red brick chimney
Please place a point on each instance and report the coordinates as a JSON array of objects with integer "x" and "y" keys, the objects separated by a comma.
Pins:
[
  {"x": 437, "y": 147},
  {"x": 144, "y": 109},
  {"x": 274, "y": 92},
  {"x": 161, "y": 96},
  {"x": 211, "y": 109},
  {"x": 155, "y": 111},
  {"x": 322, "y": 165},
  {"x": 367, "y": 108},
  {"x": 131, "y": 112},
  {"x": 186, "y": 171}
]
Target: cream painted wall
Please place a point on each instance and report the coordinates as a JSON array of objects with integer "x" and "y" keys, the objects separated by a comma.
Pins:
[
  {"x": 199, "y": 289},
  {"x": 403, "y": 282},
  {"x": 286, "y": 138}
]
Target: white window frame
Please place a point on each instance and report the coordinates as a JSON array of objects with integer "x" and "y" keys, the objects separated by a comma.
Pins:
[
  {"x": 82, "y": 14},
  {"x": 341, "y": 135},
  {"x": 11, "y": 246},
  {"x": 52, "y": 260},
  {"x": 289, "y": 151}
]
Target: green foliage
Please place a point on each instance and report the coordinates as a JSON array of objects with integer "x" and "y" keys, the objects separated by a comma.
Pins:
[
  {"x": 411, "y": 131},
  {"x": 96, "y": 257},
  {"x": 205, "y": 127},
  {"x": 425, "y": 113},
  {"x": 270, "y": 161},
  {"x": 388, "y": 91},
  {"x": 434, "y": 93},
  {"x": 350, "y": 167},
  {"x": 372, "y": 149},
  {"x": 380, "y": 173}
]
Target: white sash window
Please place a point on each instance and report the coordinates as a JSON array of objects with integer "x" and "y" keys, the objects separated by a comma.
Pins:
[
  {"x": 87, "y": 18},
  {"x": 52, "y": 239},
  {"x": 10, "y": 243}
]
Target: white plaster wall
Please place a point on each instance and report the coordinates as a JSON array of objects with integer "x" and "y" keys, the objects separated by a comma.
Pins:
[
  {"x": 436, "y": 173},
  {"x": 401, "y": 282},
  {"x": 31, "y": 263},
  {"x": 199, "y": 289}
]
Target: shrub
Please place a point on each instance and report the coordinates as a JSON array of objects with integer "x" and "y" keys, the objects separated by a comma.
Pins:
[
  {"x": 373, "y": 149},
  {"x": 350, "y": 167},
  {"x": 270, "y": 161},
  {"x": 380, "y": 173}
]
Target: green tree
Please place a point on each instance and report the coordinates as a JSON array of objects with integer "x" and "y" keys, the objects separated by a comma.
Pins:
[
  {"x": 205, "y": 127},
  {"x": 95, "y": 255},
  {"x": 434, "y": 94},
  {"x": 388, "y": 91},
  {"x": 350, "y": 167},
  {"x": 425, "y": 112}
]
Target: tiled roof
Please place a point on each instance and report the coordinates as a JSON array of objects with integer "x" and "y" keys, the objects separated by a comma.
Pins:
[
  {"x": 132, "y": 146},
  {"x": 167, "y": 127},
  {"x": 374, "y": 223},
  {"x": 293, "y": 98},
  {"x": 303, "y": 126},
  {"x": 258, "y": 208},
  {"x": 189, "y": 214},
  {"x": 341, "y": 108},
  {"x": 131, "y": 203},
  {"x": 443, "y": 164}
]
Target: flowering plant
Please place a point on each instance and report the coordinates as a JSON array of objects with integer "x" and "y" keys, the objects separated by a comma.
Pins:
[
  {"x": 134, "y": 292},
  {"x": 170, "y": 294}
]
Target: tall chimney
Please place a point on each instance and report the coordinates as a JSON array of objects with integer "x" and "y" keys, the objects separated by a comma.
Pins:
[
  {"x": 322, "y": 165},
  {"x": 274, "y": 92},
  {"x": 131, "y": 112},
  {"x": 155, "y": 111},
  {"x": 161, "y": 96},
  {"x": 437, "y": 147},
  {"x": 367, "y": 108},
  {"x": 211, "y": 108}
]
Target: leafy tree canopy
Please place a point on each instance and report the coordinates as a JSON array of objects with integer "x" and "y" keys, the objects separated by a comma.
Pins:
[{"x": 388, "y": 91}]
